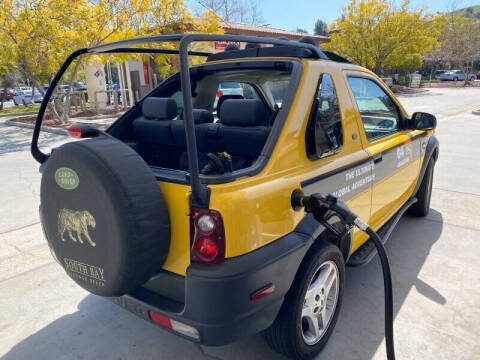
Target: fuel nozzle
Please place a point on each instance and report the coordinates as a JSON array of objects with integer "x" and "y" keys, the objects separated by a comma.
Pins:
[{"x": 319, "y": 204}]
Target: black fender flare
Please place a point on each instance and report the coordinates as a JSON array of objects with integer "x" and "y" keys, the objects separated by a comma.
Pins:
[
  {"x": 309, "y": 226},
  {"x": 431, "y": 151}
]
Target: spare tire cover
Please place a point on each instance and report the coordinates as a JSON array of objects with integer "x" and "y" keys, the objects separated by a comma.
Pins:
[{"x": 104, "y": 215}]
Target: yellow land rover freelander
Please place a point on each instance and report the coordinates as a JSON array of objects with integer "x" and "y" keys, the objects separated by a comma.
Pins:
[{"x": 182, "y": 210}]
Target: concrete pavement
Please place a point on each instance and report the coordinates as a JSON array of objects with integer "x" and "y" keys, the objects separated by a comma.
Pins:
[{"x": 44, "y": 315}]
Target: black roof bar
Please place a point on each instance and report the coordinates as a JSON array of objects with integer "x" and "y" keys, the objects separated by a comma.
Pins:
[
  {"x": 155, "y": 51},
  {"x": 205, "y": 37}
]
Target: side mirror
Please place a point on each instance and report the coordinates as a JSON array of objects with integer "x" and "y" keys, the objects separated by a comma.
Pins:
[{"x": 424, "y": 121}]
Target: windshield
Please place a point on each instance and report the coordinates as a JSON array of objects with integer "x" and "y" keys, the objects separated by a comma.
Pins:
[{"x": 266, "y": 85}]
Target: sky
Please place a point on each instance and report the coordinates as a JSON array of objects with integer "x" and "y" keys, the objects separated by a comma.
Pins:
[{"x": 293, "y": 14}]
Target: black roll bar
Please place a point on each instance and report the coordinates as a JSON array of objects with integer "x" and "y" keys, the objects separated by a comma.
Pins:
[{"x": 200, "y": 192}]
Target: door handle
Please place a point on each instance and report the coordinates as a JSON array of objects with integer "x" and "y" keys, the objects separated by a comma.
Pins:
[{"x": 377, "y": 158}]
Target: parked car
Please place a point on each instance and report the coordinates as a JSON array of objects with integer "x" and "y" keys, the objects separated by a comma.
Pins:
[
  {"x": 228, "y": 89},
  {"x": 191, "y": 224},
  {"x": 79, "y": 86},
  {"x": 23, "y": 95},
  {"x": 438, "y": 73},
  {"x": 7, "y": 95},
  {"x": 76, "y": 86},
  {"x": 456, "y": 75},
  {"x": 388, "y": 81}
]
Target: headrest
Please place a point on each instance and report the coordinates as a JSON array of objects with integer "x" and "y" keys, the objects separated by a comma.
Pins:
[
  {"x": 159, "y": 108},
  {"x": 244, "y": 112},
  {"x": 202, "y": 116},
  {"x": 222, "y": 98}
]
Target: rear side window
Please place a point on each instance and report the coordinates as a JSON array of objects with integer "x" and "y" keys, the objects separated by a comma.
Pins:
[
  {"x": 324, "y": 131},
  {"x": 378, "y": 111}
]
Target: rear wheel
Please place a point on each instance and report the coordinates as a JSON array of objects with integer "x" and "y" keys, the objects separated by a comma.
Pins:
[
  {"x": 424, "y": 193},
  {"x": 311, "y": 308}
]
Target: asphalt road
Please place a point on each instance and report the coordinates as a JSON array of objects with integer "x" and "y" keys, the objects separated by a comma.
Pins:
[{"x": 435, "y": 266}]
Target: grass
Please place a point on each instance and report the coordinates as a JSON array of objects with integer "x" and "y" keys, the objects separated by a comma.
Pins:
[{"x": 20, "y": 109}]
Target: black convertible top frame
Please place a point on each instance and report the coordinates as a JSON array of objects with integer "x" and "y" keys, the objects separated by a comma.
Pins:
[{"x": 200, "y": 193}]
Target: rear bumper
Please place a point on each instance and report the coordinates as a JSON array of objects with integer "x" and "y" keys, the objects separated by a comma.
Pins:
[{"x": 217, "y": 299}]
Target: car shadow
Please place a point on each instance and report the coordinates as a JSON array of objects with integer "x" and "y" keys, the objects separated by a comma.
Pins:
[
  {"x": 101, "y": 330},
  {"x": 15, "y": 139}
]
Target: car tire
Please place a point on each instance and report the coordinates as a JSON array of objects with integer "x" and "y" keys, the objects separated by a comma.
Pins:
[
  {"x": 293, "y": 333},
  {"x": 424, "y": 193},
  {"x": 455, "y": 78}
]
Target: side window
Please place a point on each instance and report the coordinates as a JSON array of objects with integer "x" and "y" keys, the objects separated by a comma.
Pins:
[
  {"x": 324, "y": 131},
  {"x": 378, "y": 111},
  {"x": 178, "y": 98}
]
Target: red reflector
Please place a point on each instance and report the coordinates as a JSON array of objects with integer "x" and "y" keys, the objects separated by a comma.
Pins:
[
  {"x": 207, "y": 248},
  {"x": 160, "y": 319},
  {"x": 75, "y": 132},
  {"x": 219, "y": 93},
  {"x": 261, "y": 293}
]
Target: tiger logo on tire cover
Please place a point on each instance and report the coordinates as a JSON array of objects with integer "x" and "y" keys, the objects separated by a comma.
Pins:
[{"x": 72, "y": 221}]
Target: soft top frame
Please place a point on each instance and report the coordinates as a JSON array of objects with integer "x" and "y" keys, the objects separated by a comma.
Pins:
[{"x": 200, "y": 195}]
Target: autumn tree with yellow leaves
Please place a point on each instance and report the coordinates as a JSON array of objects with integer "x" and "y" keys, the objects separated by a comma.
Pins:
[
  {"x": 40, "y": 34},
  {"x": 377, "y": 35}
]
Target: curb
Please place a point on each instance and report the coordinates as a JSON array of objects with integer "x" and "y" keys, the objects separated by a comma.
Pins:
[
  {"x": 476, "y": 112},
  {"x": 30, "y": 126},
  {"x": 19, "y": 114}
]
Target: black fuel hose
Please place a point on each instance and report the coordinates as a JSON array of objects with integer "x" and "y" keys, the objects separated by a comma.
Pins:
[
  {"x": 351, "y": 218},
  {"x": 387, "y": 284}
]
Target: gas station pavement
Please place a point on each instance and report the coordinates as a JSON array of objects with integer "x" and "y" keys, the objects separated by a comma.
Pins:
[{"x": 435, "y": 266}]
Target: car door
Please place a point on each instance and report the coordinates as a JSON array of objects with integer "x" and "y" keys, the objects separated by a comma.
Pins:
[
  {"x": 333, "y": 147},
  {"x": 395, "y": 153}
]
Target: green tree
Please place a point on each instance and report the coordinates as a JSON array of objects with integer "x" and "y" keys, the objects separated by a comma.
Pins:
[
  {"x": 300, "y": 30},
  {"x": 321, "y": 28}
]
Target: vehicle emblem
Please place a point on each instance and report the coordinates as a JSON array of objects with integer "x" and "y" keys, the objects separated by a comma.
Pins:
[
  {"x": 71, "y": 221},
  {"x": 66, "y": 178}
]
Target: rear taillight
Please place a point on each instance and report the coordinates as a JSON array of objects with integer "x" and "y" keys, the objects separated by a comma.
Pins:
[
  {"x": 219, "y": 93},
  {"x": 207, "y": 236},
  {"x": 75, "y": 132},
  {"x": 174, "y": 325}
]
